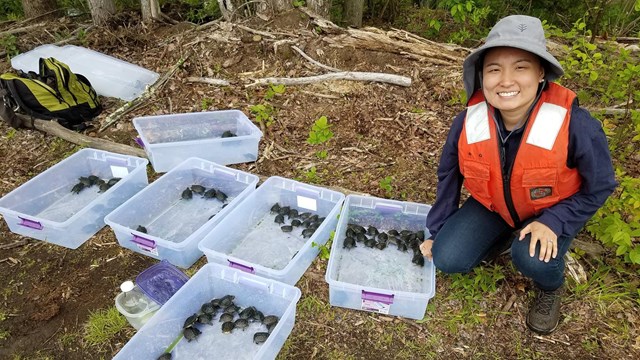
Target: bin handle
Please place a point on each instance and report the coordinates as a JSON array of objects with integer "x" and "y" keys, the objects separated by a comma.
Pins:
[
  {"x": 245, "y": 268},
  {"x": 144, "y": 242},
  {"x": 30, "y": 223},
  {"x": 139, "y": 141},
  {"x": 379, "y": 297}
]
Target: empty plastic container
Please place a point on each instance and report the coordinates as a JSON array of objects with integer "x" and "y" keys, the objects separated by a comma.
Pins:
[
  {"x": 108, "y": 75},
  {"x": 215, "y": 281},
  {"x": 384, "y": 281},
  {"x": 45, "y": 207},
  {"x": 250, "y": 240},
  {"x": 225, "y": 137},
  {"x": 175, "y": 225},
  {"x": 134, "y": 305}
]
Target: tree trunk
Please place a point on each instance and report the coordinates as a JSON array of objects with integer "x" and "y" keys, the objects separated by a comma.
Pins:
[
  {"x": 320, "y": 7},
  {"x": 353, "y": 12},
  {"x": 33, "y": 8},
  {"x": 101, "y": 11},
  {"x": 149, "y": 9}
]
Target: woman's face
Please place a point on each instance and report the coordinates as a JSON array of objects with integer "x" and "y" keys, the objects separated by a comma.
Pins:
[{"x": 510, "y": 79}]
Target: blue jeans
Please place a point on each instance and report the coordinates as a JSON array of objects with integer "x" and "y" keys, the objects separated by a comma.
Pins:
[{"x": 472, "y": 232}]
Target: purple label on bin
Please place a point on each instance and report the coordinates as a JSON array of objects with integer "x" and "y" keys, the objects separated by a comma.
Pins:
[
  {"x": 139, "y": 141},
  {"x": 244, "y": 268},
  {"x": 388, "y": 208},
  {"x": 30, "y": 223},
  {"x": 145, "y": 243},
  {"x": 373, "y": 296}
]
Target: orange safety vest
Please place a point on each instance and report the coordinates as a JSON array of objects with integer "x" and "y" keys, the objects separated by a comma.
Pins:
[{"x": 539, "y": 177}]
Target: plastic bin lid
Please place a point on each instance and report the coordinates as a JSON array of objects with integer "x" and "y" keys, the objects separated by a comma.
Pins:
[{"x": 161, "y": 281}]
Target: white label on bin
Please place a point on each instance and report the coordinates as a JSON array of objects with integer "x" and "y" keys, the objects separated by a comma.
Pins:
[
  {"x": 119, "y": 171},
  {"x": 307, "y": 203},
  {"x": 375, "y": 306},
  {"x": 153, "y": 251}
]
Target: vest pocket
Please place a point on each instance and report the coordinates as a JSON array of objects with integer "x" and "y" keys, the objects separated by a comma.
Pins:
[
  {"x": 476, "y": 180},
  {"x": 540, "y": 187}
]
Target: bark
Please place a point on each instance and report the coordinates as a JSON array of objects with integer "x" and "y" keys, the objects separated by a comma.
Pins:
[
  {"x": 33, "y": 8},
  {"x": 101, "y": 11},
  {"x": 321, "y": 7},
  {"x": 353, "y": 12}
]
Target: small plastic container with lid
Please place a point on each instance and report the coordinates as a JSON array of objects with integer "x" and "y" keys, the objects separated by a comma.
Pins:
[{"x": 135, "y": 305}]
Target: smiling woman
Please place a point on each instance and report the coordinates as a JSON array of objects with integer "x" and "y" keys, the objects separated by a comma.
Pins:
[{"x": 537, "y": 167}]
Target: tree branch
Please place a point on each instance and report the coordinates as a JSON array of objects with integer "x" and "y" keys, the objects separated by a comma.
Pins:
[{"x": 344, "y": 75}]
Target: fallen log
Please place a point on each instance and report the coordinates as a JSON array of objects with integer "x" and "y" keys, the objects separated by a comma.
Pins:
[{"x": 344, "y": 75}]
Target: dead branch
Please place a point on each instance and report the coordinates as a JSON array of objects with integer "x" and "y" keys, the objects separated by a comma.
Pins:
[
  {"x": 344, "y": 75},
  {"x": 314, "y": 62},
  {"x": 594, "y": 250},
  {"x": 148, "y": 93},
  {"x": 207, "y": 25},
  {"x": 74, "y": 35},
  {"x": 14, "y": 244},
  {"x": 210, "y": 81},
  {"x": 326, "y": 96},
  {"x": 257, "y": 32},
  {"x": 20, "y": 30},
  {"x": 575, "y": 270},
  {"x": 628, "y": 40},
  {"x": 53, "y": 128}
]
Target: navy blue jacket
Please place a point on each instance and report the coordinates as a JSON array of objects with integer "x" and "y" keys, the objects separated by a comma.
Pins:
[{"x": 588, "y": 152}]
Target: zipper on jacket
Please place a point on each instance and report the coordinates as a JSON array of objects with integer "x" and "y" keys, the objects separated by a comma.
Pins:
[{"x": 506, "y": 182}]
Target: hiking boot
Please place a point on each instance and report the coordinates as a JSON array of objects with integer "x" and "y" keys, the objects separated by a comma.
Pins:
[{"x": 544, "y": 314}]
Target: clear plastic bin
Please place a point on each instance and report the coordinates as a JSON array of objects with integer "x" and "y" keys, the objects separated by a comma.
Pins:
[
  {"x": 45, "y": 208},
  {"x": 170, "y": 139},
  {"x": 250, "y": 240},
  {"x": 174, "y": 225},
  {"x": 108, "y": 75},
  {"x": 384, "y": 281},
  {"x": 215, "y": 281}
]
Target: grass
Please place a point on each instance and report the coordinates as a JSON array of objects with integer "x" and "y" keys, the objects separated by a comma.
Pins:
[{"x": 103, "y": 325}]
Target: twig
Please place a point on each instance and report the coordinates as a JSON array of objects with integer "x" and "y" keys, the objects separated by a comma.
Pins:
[
  {"x": 552, "y": 341},
  {"x": 74, "y": 35},
  {"x": 314, "y": 62},
  {"x": 20, "y": 29},
  {"x": 507, "y": 306},
  {"x": 209, "y": 81},
  {"x": 14, "y": 244},
  {"x": 263, "y": 33},
  {"x": 344, "y": 75},
  {"x": 207, "y": 25},
  {"x": 326, "y": 96},
  {"x": 134, "y": 104}
]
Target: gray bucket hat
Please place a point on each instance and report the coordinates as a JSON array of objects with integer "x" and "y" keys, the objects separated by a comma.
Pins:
[{"x": 517, "y": 31}]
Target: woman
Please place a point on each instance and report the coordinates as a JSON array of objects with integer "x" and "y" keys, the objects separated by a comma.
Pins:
[{"x": 535, "y": 164}]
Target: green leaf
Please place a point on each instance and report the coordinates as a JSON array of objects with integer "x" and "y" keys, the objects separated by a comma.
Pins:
[
  {"x": 593, "y": 76},
  {"x": 634, "y": 255},
  {"x": 622, "y": 249}
]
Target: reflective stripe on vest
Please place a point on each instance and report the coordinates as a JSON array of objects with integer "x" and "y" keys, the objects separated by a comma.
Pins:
[{"x": 539, "y": 177}]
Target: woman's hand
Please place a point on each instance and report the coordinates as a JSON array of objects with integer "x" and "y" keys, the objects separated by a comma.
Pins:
[
  {"x": 425, "y": 247},
  {"x": 548, "y": 240}
]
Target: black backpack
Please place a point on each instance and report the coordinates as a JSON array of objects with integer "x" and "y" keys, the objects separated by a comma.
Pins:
[{"x": 54, "y": 93}]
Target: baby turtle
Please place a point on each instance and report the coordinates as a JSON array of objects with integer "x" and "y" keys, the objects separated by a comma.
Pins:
[
  {"x": 383, "y": 236},
  {"x": 209, "y": 194},
  {"x": 198, "y": 189},
  {"x": 205, "y": 319},
  {"x": 141, "y": 229},
  {"x": 190, "y": 321},
  {"x": 228, "y": 327},
  {"x": 187, "y": 194},
  {"x": 165, "y": 356},
  {"x": 372, "y": 231},
  {"x": 270, "y": 327},
  {"x": 271, "y": 319},
  {"x": 296, "y": 222},
  {"x": 104, "y": 186},
  {"x": 420, "y": 235},
  {"x": 208, "y": 308},
  {"x": 113, "y": 181},
  {"x": 418, "y": 259},
  {"x": 350, "y": 233},
  {"x": 93, "y": 179},
  {"x": 286, "y": 228},
  {"x": 221, "y": 196},
  {"x": 293, "y": 213},
  {"x": 402, "y": 246},
  {"x": 275, "y": 208},
  {"x": 241, "y": 324},
  {"x": 231, "y": 309},
  {"x": 279, "y": 219},
  {"x": 227, "y": 300},
  {"x": 191, "y": 333},
  {"x": 284, "y": 210},
  {"x": 247, "y": 313},
  {"x": 85, "y": 181},
  {"x": 381, "y": 245},
  {"x": 349, "y": 243},
  {"x": 357, "y": 228},
  {"x": 361, "y": 237},
  {"x": 228, "y": 134},
  {"x": 304, "y": 215},
  {"x": 370, "y": 243},
  {"x": 258, "y": 316},
  {"x": 260, "y": 337},
  {"x": 314, "y": 217},
  {"x": 77, "y": 188},
  {"x": 306, "y": 233},
  {"x": 393, "y": 232},
  {"x": 226, "y": 317}
]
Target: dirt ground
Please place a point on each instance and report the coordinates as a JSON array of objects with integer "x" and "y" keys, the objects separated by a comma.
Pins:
[{"x": 380, "y": 130}]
